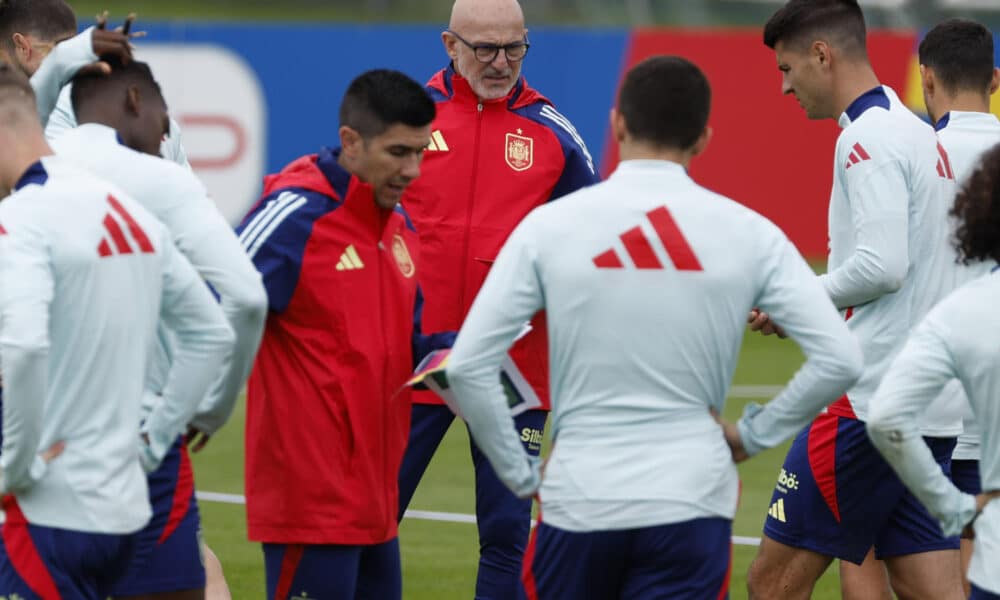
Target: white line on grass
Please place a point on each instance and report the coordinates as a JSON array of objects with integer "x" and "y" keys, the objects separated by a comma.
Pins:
[
  {"x": 426, "y": 515},
  {"x": 736, "y": 391}
]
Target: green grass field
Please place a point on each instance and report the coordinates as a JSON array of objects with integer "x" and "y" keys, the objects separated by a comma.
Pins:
[{"x": 439, "y": 559}]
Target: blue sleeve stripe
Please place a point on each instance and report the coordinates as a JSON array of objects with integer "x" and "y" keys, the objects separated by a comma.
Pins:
[
  {"x": 263, "y": 219},
  {"x": 285, "y": 207},
  {"x": 553, "y": 115}
]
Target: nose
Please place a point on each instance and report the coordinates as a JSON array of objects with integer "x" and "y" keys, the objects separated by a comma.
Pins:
[
  {"x": 500, "y": 61},
  {"x": 786, "y": 86},
  {"x": 411, "y": 167}
]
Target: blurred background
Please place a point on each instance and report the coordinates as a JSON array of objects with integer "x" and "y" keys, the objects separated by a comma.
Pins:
[
  {"x": 891, "y": 13},
  {"x": 257, "y": 83}
]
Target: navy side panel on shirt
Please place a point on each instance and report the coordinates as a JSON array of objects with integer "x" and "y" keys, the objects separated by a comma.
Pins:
[
  {"x": 275, "y": 235},
  {"x": 579, "y": 171}
]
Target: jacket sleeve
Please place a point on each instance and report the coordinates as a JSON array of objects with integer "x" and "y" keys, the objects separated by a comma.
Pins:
[
  {"x": 209, "y": 243},
  {"x": 879, "y": 199},
  {"x": 578, "y": 169},
  {"x": 26, "y": 292},
  {"x": 204, "y": 341},
  {"x": 424, "y": 344},
  {"x": 58, "y": 68},
  {"x": 793, "y": 297},
  {"x": 510, "y": 297},
  {"x": 274, "y": 235}
]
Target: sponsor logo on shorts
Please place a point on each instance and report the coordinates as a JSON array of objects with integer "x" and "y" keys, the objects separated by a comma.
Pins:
[
  {"x": 777, "y": 510},
  {"x": 787, "y": 481},
  {"x": 532, "y": 437}
]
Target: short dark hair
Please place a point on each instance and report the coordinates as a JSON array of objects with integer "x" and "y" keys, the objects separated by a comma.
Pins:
[
  {"x": 45, "y": 19},
  {"x": 961, "y": 53},
  {"x": 91, "y": 86},
  {"x": 799, "y": 22},
  {"x": 380, "y": 98},
  {"x": 665, "y": 100},
  {"x": 977, "y": 208}
]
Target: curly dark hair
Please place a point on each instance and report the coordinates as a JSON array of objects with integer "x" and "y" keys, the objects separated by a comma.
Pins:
[{"x": 977, "y": 208}]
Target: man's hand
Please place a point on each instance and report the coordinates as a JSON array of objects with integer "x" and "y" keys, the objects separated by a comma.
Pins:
[
  {"x": 111, "y": 43},
  {"x": 54, "y": 450},
  {"x": 196, "y": 439},
  {"x": 981, "y": 501},
  {"x": 761, "y": 321},
  {"x": 732, "y": 435}
]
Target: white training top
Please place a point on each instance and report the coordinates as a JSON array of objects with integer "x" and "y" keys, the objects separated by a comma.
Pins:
[
  {"x": 959, "y": 338},
  {"x": 647, "y": 280},
  {"x": 890, "y": 254},
  {"x": 85, "y": 276},
  {"x": 966, "y": 136},
  {"x": 178, "y": 199}
]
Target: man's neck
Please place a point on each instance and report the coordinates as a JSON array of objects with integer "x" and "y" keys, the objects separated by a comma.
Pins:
[
  {"x": 640, "y": 151},
  {"x": 965, "y": 101},
  {"x": 854, "y": 80}
]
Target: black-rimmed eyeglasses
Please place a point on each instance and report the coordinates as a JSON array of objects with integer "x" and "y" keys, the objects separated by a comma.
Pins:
[{"x": 487, "y": 53}]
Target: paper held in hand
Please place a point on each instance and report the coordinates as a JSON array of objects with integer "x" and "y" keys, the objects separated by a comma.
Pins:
[{"x": 431, "y": 374}]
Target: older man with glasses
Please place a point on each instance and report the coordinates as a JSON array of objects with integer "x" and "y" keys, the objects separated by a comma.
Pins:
[{"x": 498, "y": 149}]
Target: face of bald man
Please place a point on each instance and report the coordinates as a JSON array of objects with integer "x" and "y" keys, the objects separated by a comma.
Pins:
[{"x": 481, "y": 22}]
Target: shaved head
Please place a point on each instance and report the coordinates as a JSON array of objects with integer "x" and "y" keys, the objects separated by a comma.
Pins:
[
  {"x": 486, "y": 14},
  {"x": 486, "y": 24}
]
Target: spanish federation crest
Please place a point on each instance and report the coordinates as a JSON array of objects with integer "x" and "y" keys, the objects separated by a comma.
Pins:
[
  {"x": 520, "y": 151},
  {"x": 402, "y": 256}
]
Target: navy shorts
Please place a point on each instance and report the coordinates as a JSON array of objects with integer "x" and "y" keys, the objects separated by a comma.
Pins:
[
  {"x": 981, "y": 594},
  {"x": 168, "y": 550},
  {"x": 333, "y": 572},
  {"x": 837, "y": 496},
  {"x": 689, "y": 560},
  {"x": 44, "y": 562},
  {"x": 965, "y": 476}
]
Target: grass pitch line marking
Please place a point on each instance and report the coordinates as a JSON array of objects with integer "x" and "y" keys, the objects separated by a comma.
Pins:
[
  {"x": 755, "y": 391},
  {"x": 425, "y": 515}
]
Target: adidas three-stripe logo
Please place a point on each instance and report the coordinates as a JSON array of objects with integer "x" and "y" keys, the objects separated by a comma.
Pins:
[
  {"x": 640, "y": 249},
  {"x": 113, "y": 229},
  {"x": 857, "y": 155},
  {"x": 267, "y": 220},
  {"x": 437, "y": 143},
  {"x": 350, "y": 260},
  {"x": 777, "y": 510},
  {"x": 550, "y": 113},
  {"x": 944, "y": 164}
]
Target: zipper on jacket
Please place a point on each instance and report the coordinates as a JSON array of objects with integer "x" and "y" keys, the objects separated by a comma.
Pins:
[
  {"x": 380, "y": 272},
  {"x": 468, "y": 214}
]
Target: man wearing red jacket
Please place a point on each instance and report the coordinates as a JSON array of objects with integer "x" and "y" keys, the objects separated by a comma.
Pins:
[
  {"x": 498, "y": 149},
  {"x": 327, "y": 420}
]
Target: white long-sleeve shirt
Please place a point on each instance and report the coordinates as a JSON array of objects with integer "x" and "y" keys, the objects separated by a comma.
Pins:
[
  {"x": 85, "y": 276},
  {"x": 176, "y": 197},
  {"x": 647, "y": 280},
  {"x": 966, "y": 136},
  {"x": 890, "y": 254},
  {"x": 958, "y": 339},
  {"x": 58, "y": 68}
]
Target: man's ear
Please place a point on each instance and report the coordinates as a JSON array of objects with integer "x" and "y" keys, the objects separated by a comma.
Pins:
[
  {"x": 22, "y": 47},
  {"x": 821, "y": 52},
  {"x": 702, "y": 143},
  {"x": 133, "y": 100},
  {"x": 450, "y": 44},
  {"x": 995, "y": 81},
  {"x": 350, "y": 141},
  {"x": 618, "y": 127},
  {"x": 928, "y": 81}
]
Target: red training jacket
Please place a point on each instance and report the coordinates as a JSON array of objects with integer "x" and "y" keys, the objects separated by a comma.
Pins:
[
  {"x": 327, "y": 422},
  {"x": 487, "y": 166}
]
